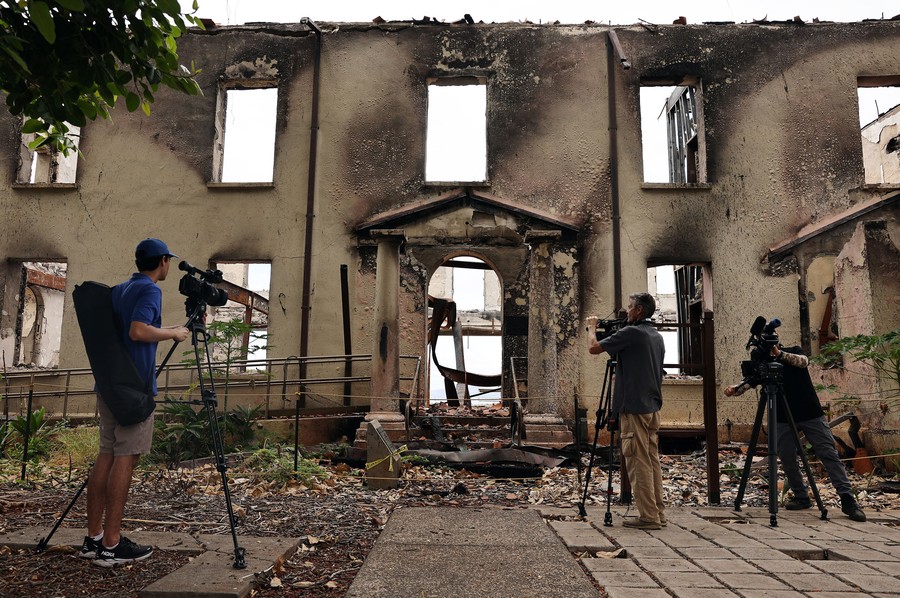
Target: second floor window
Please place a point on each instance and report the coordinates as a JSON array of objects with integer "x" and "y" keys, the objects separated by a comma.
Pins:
[{"x": 456, "y": 146}]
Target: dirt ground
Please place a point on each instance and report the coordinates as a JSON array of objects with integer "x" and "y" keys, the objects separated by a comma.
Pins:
[{"x": 337, "y": 517}]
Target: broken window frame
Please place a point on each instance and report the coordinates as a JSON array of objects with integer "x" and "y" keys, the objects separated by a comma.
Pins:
[
  {"x": 218, "y": 162},
  {"x": 685, "y": 132},
  {"x": 868, "y": 176},
  {"x": 252, "y": 302},
  {"x": 20, "y": 278},
  {"x": 693, "y": 295},
  {"x": 46, "y": 166},
  {"x": 454, "y": 81},
  {"x": 692, "y": 289}
]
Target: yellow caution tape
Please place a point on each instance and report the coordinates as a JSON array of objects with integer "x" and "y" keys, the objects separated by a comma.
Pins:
[{"x": 391, "y": 455}]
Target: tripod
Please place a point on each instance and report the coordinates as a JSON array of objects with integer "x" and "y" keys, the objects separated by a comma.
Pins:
[
  {"x": 602, "y": 418},
  {"x": 771, "y": 374},
  {"x": 195, "y": 310}
]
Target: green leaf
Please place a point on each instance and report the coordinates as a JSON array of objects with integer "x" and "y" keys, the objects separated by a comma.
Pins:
[
  {"x": 77, "y": 118},
  {"x": 43, "y": 20},
  {"x": 145, "y": 106},
  {"x": 32, "y": 125},
  {"x": 16, "y": 57},
  {"x": 170, "y": 6},
  {"x": 132, "y": 101}
]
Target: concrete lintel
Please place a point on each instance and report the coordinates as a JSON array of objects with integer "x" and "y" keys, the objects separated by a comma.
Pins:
[
  {"x": 388, "y": 233},
  {"x": 542, "y": 236}
]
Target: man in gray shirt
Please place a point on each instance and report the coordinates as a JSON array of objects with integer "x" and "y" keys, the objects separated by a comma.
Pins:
[{"x": 637, "y": 398}]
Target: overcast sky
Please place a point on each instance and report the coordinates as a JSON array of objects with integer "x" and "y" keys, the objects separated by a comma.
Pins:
[{"x": 234, "y": 12}]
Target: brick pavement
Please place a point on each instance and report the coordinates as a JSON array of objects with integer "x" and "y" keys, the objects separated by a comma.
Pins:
[{"x": 717, "y": 552}]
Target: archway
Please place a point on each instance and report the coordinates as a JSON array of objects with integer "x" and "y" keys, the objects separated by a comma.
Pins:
[{"x": 473, "y": 343}]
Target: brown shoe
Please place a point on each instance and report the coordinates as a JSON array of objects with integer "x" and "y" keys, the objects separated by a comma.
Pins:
[{"x": 641, "y": 524}]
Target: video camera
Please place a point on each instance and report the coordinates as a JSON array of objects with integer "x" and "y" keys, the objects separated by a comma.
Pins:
[
  {"x": 197, "y": 286},
  {"x": 606, "y": 328},
  {"x": 762, "y": 339}
]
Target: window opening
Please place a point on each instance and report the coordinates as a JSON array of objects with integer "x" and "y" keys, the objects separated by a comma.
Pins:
[
  {"x": 247, "y": 135},
  {"x": 879, "y": 121},
  {"x": 243, "y": 322},
  {"x": 41, "y": 295},
  {"x": 680, "y": 300},
  {"x": 46, "y": 165},
  {"x": 456, "y": 137},
  {"x": 476, "y": 347},
  {"x": 674, "y": 150},
  {"x": 661, "y": 284}
]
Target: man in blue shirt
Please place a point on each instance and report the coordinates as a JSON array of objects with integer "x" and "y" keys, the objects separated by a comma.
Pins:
[
  {"x": 137, "y": 304},
  {"x": 637, "y": 398}
]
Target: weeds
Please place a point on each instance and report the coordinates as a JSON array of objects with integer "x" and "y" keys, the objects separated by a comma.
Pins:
[
  {"x": 181, "y": 432},
  {"x": 40, "y": 433},
  {"x": 277, "y": 465}
]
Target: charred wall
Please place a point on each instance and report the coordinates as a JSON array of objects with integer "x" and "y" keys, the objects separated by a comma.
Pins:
[{"x": 782, "y": 151}]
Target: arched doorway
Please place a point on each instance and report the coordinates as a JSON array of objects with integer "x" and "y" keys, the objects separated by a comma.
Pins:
[{"x": 474, "y": 344}]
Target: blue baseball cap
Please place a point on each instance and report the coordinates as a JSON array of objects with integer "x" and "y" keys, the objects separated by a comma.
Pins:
[{"x": 152, "y": 248}]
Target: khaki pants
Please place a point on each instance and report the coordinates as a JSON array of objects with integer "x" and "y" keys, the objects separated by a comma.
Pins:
[{"x": 640, "y": 447}]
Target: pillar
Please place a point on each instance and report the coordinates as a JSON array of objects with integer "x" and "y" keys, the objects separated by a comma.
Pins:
[
  {"x": 543, "y": 373},
  {"x": 385, "y": 386}
]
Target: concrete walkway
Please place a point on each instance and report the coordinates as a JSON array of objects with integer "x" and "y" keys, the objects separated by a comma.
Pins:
[
  {"x": 442, "y": 552},
  {"x": 703, "y": 552}
]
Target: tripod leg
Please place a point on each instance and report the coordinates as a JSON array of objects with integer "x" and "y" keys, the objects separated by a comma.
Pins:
[
  {"x": 772, "y": 396},
  {"x": 209, "y": 403},
  {"x": 239, "y": 562},
  {"x": 751, "y": 451},
  {"x": 587, "y": 476},
  {"x": 578, "y": 464},
  {"x": 42, "y": 545},
  {"x": 601, "y": 418},
  {"x": 607, "y": 518}
]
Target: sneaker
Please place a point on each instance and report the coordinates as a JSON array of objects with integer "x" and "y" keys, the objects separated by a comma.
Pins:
[
  {"x": 850, "y": 508},
  {"x": 637, "y": 523},
  {"x": 798, "y": 503},
  {"x": 89, "y": 548},
  {"x": 663, "y": 522},
  {"x": 125, "y": 552}
]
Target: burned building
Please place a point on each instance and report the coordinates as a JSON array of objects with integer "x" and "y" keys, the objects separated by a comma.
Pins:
[{"x": 763, "y": 203}]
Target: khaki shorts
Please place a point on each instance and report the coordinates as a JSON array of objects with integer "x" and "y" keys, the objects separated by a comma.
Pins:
[{"x": 123, "y": 440}]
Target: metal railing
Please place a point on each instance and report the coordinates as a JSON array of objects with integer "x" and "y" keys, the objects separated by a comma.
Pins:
[{"x": 276, "y": 381}]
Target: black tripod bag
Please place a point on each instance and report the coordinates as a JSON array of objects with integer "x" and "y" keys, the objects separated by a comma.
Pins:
[{"x": 128, "y": 396}]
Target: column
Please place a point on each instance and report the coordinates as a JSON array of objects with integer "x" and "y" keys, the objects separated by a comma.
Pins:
[
  {"x": 385, "y": 387},
  {"x": 543, "y": 373}
]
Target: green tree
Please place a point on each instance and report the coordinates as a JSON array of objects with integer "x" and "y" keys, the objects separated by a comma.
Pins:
[
  {"x": 64, "y": 62},
  {"x": 881, "y": 352}
]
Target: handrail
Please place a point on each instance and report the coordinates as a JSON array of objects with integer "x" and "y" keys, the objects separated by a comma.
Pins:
[{"x": 78, "y": 382}]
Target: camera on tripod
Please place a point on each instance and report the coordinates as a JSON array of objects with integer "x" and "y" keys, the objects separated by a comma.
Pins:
[
  {"x": 197, "y": 286},
  {"x": 763, "y": 339},
  {"x": 606, "y": 328}
]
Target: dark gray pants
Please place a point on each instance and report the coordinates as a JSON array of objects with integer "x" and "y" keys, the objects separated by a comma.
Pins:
[{"x": 819, "y": 435}]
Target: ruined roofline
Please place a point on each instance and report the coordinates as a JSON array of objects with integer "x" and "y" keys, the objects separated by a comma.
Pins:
[
  {"x": 301, "y": 29},
  {"x": 828, "y": 223}
]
